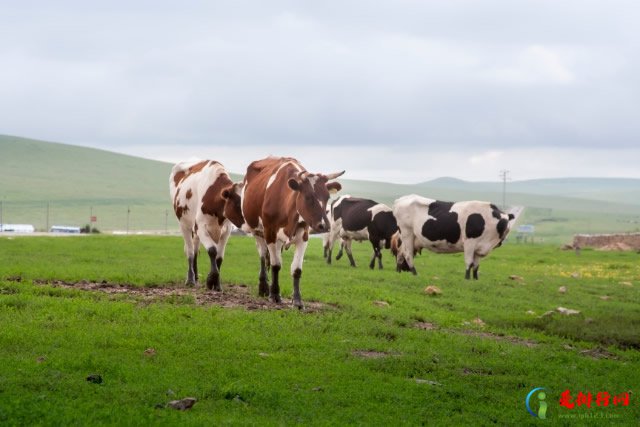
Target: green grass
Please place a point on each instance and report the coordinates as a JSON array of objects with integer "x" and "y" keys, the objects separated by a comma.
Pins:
[{"x": 275, "y": 367}]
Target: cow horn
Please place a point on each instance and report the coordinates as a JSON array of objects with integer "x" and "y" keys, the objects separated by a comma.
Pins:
[
  {"x": 334, "y": 175},
  {"x": 303, "y": 174}
]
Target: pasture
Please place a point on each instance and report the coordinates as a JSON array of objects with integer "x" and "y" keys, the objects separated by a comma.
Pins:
[{"x": 370, "y": 348}]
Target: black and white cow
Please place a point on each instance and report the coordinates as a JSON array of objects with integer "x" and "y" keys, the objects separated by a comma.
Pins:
[
  {"x": 358, "y": 219},
  {"x": 473, "y": 227}
]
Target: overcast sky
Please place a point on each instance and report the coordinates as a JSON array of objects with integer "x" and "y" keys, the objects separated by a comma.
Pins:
[{"x": 397, "y": 90}]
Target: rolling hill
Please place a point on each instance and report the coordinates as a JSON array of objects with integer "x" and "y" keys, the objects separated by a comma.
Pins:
[{"x": 44, "y": 183}]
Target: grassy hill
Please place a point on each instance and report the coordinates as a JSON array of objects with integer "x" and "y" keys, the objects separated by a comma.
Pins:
[{"x": 43, "y": 184}]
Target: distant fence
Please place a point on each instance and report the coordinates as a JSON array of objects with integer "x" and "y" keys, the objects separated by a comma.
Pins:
[
  {"x": 104, "y": 215},
  {"x": 622, "y": 241}
]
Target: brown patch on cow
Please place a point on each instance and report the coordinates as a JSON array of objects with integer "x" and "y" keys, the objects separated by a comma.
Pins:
[
  {"x": 198, "y": 167},
  {"x": 184, "y": 174},
  {"x": 233, "y": 296},
  {"x": 254, "y": 205},
  {"x": 233, "y": 204},
  {"x": 212, "y": 201},
  {"x": 189, "y": 194},
  {"x": 178, "y": 177}
]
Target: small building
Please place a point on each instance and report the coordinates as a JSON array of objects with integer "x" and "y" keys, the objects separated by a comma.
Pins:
[
  {"x": 525, "y": 233},
  {"x": 64, "y": 229},
  {"x": 17, "y": 228}
]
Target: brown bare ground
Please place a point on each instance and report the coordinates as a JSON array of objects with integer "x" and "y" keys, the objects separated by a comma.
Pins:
[
  {"x": 232, "y": 296},
  {"x": 506, "y": 338},
  {"x": 369, "y": 354}
]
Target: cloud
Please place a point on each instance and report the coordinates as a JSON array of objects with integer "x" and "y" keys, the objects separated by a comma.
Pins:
[
  {"x": 536, "y": 65},
  {"x": 461, "y": 77}
]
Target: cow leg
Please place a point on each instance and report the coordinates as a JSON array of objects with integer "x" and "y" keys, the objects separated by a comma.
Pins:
[
  {"x": 213, "y": 279},
  {"x": 476, "y": 263},
  {"x": 469, "y": 258},
  {"x": 340, "y": 251},
  {"x": 296, "y": 268},
  {"x": 347, "y": 248},
  {"x": 263, "y": 251},
  {"x": 404, "y": 261},
  {"x": 213, "y": 238},
  {"x": 377, "y": 254},
  {"x": 332, "y": 236},
  {"x": 275, "y": 253},
  {"x": 190, "y": 253}
]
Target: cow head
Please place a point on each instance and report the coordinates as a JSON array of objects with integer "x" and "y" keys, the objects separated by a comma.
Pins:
[
  {"x": 312, "y": 195},
  {"x": 232, "y": 203}
]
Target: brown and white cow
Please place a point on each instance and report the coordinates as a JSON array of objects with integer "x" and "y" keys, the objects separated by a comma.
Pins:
[
  {"x": 472, "y": 227},
  {"x": 206, "y": 203},
  {"x": 281, "y": 201}
]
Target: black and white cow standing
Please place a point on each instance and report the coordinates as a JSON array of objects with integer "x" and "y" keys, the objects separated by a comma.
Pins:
[
  {"x": 472, "y": 227},
  {"x": 358, "y": 219}
]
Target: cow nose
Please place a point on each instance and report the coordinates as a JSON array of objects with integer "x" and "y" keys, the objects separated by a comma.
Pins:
[{"x": 322, "y": 226}]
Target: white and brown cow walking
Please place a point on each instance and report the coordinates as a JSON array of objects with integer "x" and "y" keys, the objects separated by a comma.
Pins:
[
  {"x": 281, "y": 201},
  {"x": 472, "y": 227},
  {"x": 206, "y": 203}
]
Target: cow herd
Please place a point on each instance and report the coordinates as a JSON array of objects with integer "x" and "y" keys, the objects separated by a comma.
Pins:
[{"x": 280, "y": 203}]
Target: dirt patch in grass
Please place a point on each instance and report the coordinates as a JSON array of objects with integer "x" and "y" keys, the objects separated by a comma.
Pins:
[
  {"x": 232, "y": 296},
  {"x": 370, "y": 354},
  {"x": 496, "y": 337},
  {"x": 426, "y": 326},
  {"x": 599, "y": 353}
]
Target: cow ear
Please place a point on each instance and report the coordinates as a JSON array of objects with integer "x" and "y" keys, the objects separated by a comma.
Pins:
[
  {"x": 334, "y": 187},
  {"x": 294, "y": 184},
  {"x": 226, "y": 193},
  {"x": 511, "y": 217}
]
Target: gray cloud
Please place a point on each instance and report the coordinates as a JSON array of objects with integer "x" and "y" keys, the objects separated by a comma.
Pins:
[{"x": 446, "y": 76}]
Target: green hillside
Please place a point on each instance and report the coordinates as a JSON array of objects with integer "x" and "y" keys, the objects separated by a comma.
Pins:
[{"x": 43, "y": 184}]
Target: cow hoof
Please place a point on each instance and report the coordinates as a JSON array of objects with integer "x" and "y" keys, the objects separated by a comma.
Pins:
[
  {"x": 413, "y": 271},
  {"x": 275, "y": 299},
  {"x": 189, "y": 284},
  {"x": 263, "y": 288},
  {"x": 213, "y": 282},
  {"x": 298, "y": 305}
]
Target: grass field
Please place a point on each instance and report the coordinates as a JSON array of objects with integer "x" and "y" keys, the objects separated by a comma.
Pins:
[{"x": 372, "y": 348}]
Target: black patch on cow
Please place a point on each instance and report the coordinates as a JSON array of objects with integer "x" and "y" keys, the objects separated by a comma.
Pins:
[
  {"x": 495, "y": 211},
  {"x": 475, "y": 226},
  {"x": 444, "y": 225},
  {"x": 383, "y": 226},
  {"x": 354, "y": 213},
  {"x": 502, "y": 227},
  {"x": 385, "y": 223}
]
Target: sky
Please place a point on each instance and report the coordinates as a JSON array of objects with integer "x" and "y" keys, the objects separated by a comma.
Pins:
[{"x": 391, "y": 90}]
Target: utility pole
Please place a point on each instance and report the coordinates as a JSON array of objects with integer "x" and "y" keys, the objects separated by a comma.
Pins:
[
  {"x": 128, "y": 212},
  {"x": 47, "y": 226},
  {"x": 504, "y": 175}
]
